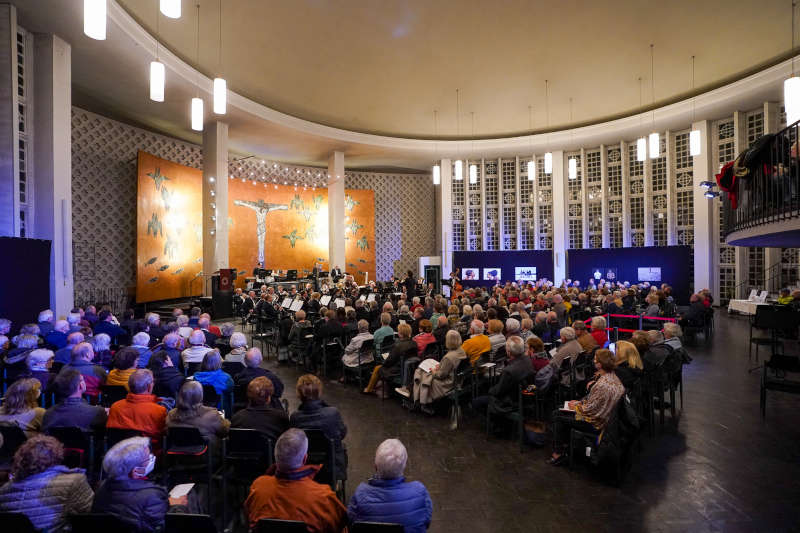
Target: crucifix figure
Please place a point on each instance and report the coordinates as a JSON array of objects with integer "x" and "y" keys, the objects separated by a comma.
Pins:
[{"x": 261, "y": 208}]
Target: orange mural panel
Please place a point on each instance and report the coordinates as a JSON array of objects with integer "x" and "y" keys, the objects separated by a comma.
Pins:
[
  {"x": 359, "y": 211},
  {"x": 169, "y": 246}
]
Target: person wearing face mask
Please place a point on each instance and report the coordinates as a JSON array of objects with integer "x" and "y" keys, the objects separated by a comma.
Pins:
[{"x": 128, "y": 494}]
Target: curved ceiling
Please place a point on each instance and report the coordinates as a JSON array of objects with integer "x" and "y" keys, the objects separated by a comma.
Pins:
[{"x": 384, "y": 67}]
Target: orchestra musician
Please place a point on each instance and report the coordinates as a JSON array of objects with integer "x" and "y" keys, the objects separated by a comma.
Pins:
[{"x": 336, "y": 273}]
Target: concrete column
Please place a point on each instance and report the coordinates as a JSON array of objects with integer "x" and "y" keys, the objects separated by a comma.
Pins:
[
  {"x": 672, "y": 229},
  {"x": 626, "y": 195},
  {"x": 647, "y": 168},
  {"x": 535, "y": 205},
  {"x": 559, "y": 218},
  {"x": 215, "y": 199},
  {"x": 446, "y": 190},
  {"x": 336, "y": 224},
  {"x": 52, "y": 151},
  {"x": 9, "y": 117},
  {"x": 742, "y": 252},
  {"x": 584, "y": 199},
  {"x": 705, "y": 271},
  {"x": 604, "y": 195},
  {"x": 772, "y": 256}
]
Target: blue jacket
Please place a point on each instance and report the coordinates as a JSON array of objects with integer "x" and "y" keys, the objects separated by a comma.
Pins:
[
  {"x": 393, "y": 501},
  {"x": 56, "y": 338},
  {"x": 116, "y": 333},
  {"x": 220, "y": 380}
]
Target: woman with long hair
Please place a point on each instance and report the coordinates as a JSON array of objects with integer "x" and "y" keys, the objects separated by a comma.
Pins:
[{"x": 21, "y": 406}]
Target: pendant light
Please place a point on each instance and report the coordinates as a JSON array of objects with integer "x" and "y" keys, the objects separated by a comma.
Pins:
[
  {"x": 548, "y": 156},
  {"x": 655, "y": 145},
  {"x": 437, "y": 170},
  {"x": 473, "y": 168},
  {"x": 791, "y": 87},
  {"x": 171, "y": 8},
  {"x": 572, "y": 163},
  {"x": 531, "y": 163},
  {"x": 157, "y": 72},
  {"x": 220, "y": 85},
  {"x": 459, "y": 166},
  {"x": 94, "y": 19},
  {"x": 641, "y": 142},
  {"x": 694, "y": 135},
  {"x": 197, "y": 102}
]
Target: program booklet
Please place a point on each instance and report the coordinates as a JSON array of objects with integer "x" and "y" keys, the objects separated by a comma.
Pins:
[{"x": 428, "y": 365}]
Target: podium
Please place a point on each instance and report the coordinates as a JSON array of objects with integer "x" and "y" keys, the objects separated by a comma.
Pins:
[{"x": 222, "y": 293}]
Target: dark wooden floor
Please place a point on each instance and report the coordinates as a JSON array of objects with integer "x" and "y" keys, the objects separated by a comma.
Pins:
[{"x": 721, "y": 469}]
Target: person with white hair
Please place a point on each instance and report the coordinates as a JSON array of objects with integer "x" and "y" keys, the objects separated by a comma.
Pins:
[
  {"x": 94, "y": 375},
  {"x": 45, "y": 322},
  {"x": 223, "y": 342},
  {"x": 203, "y": 323},
  {"x": 436, "y": 384},
  {"x": 512, "y": 327},
  {"x": 14, "y": 360},
  {"x": 197, "y": 348},
  {"x": 64, "y": 354},
  {"x": 39, "y": 362},
  {"x": 184, "y": 330},
  {"x": 569, "y": 349},
  {"x": 502, "y": 397},
  {"x": 154, "y": 329},
  {"x": 102, "y": 350},
  {"x": 253, "y": 369},
  {"x": 238, "y": 344},
  {"x": 351, "y": 357},
  {"x": 57, "y": 337},
  {"x": 288, "y": 490},
  {"x": 141, "y": 343},
  {"x": 126, "y": 492},
  {"x": 387, "y": 497},
  {"x": 74, "y": 321},
  {"x": 5, "y": 328},
  {"x": 478, "y": 343}
]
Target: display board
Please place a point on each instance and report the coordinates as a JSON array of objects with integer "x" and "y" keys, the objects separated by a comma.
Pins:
[
  {"x": 24, "y": 279},
  {"x": 504, "y": 264},
  {"x": 672, "y": 264}
]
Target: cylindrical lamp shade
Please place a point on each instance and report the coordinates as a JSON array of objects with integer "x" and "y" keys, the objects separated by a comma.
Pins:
[
  {"x": 641, "y": 149},
  {"x": 197, "y": 114},
  {"x": 655, "y": 148},
  {"x": 531, "y": 170},
  {"x": 220, "y": 96},
  {"x": 694, "y": 142},
  {"x": 459, "y": 170},
  {"x": 437, "y": 175},
  {"x": 473, "y": 174},
  {"x": 572, "y": 168},
  {"x": 171, "y": 8},
  {"x": 94, "y": 19},
  {"x": 157, "y": 76},
  {"x": 791, "y": 99},
  {"x": 548, "y": 163}
]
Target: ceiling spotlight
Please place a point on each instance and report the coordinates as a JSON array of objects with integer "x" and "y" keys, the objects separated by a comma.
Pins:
[
  {"x": 711, "y": 194},
  {"x": 707, "y": 184},
  {"x": 213, "y": 193}
]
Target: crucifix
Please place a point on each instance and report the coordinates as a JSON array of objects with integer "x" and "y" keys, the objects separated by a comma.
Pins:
[{"x": 261, "y": 208}]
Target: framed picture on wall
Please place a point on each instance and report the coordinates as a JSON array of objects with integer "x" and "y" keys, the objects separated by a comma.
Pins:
[
  {"x": 525, "y": 273},
  {"x": 492, "y": 274},
  {"x": 471, "y": 274}
]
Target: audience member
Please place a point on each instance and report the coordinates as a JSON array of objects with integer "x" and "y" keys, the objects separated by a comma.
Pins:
[
  {"x": 672, "y": 335},
  {"x": 211, "y": 373},
  {"x": 599, "y": 330},
  {"x": 197, "y": 348},
  {"x": 496, "y": 337},
  {"x": 141, "y": 343},
  {"x": 314, "y": 413},
  {"x": 105, "y": 324},
  {"x": 189, "y": 411},
  {"x": 167, "y": 379},
  {"x": 223, "y": 342},
  {"x": 39, "y": 362},
  {"x": 101, "y": 344},
  {"x": 94, "y": 375},
  {"x": 45, "y": 322},
  {"x": 57, "y": 338},
  {"x": 203, "y": 323},
  {"x": 127, "y": 493},
  {"x": 154, "y": 329},
  {"x": 536, "y": 352},
  {"x": 288, "y": 491},
  {"x": 502, "y": 397},
  {"x": 15, "y": 359},
  {"x": 430, "y": 386},
  {"x": 587, "y": 342},
  {"x": 383, "y": 332},
  {"x": 139, "y": 409},
  {"x": 478, "y": 343},
  {"x": 387, "y": 497},
  {"x": 122, "y": 366},
  {"x": 73, "y": 410},
  {"x": 252, "y": 370},
  {"x": 425, "y": 337},
  {"x": 628, "y": 365},
  {"x": 569, "y": 349},
  {"x": 21, "y": 406},
  {"x": 64, "y": 354},
  {"x": 44, "y": 490},
  {"x": 403, "y": 348},
  {"x": 259, "y": 414},
  {"x": 351, "y": 352},
  {"x": 184, "y": 329}
]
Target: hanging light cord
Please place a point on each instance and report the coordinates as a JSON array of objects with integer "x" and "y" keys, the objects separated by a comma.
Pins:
[
  {"x": 694, "y": 96},
  {"x": 197, "y": 52},
  {"x": 220, "y": 37},
  {"x": 436, "y": 133},
  {"x": 158, "y": 19},
  {"x": 794, "y": 6},
  {"x": 653, "y": 86},
  {"x": 458, "y": 123},
  {"x": 547, "y": 108},
  {"x": 641, "y": 106}
]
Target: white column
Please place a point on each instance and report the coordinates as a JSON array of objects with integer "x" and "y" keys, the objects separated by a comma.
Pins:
[
  {"x": 535, "y": 203},
  {"x": 584, "y": 200},
  {"x": 215, "y": 207},
  {"x": 52, "y": 151},
  {"x": 447, "y": 216},
  {"x": 9, "y": 117},
  {"x": 517, "y": 178},
  {"x": 604, "y": 195},
  {"x": 742, "y": 252},
  {"x": 626, "y": 192},
  {"x": 559, "y": 218},
  {"x": 647, "y": 170},
  {"x": 336, "y": 229},
  {"x": 705, "y": 273},
  {"x": 772, "y": 256},
  {"x": 484, "y": 225},
  {"x": 672, "y": 229}
]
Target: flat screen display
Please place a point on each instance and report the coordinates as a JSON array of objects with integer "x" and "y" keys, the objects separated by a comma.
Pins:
[
  {"x": 525, "y": 273},
  {"x": 471, "y": 274},
  {"x": 491, "y": 274},
  {"x": 649, "y": 273}
]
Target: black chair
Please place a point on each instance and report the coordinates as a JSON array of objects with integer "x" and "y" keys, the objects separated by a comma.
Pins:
[
  {"x": 232, "y": 368},
  {"x": 431, "y": 351},
  {"x": 775, "y": 377},
  {"x": 246, "y": 454},
  {"x": 16, "y": 523},
  {"x": 210, "y": 396},
  {"x": 188, "y": 523},
  {"x": 13, "y": 438},
  {"x": 332, "y": 350},
  {"x": 79, "y": 446},
  {"x": 375, "y": 527},
  {"x": 322, "y": 450},
  {"x": 273, "y": 525},
  {"x": 98, "y": 522},
  {"x": 366, "y": 351},
  {"x": 190, "y": 368},
  {"x": 112, "y": 393},
  {"x": 187, "y": 455},
  {"x": 767, "y": 318},
  {"x": 114, "y": 435}
]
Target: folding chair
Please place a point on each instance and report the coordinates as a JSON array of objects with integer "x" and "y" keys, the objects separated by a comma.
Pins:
[
  {"x": 112, "y": 393},
  {"x": 185, "y": 450},
  {"x": 16, "y": 522},
  {"x": 99, "y": 522},
  {"x": 189, "y": 523},
  {"x": 322, "y": 450},
  {"x": 77, "y": 444},
  {"x": 273, "y": 525}
]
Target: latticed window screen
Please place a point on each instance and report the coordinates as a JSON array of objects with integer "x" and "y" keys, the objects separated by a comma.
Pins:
[
  {"x": 614, "y": 172},
  {"x": 24, "y": 177},
  {"x": 684, "y": 193},
  {"x": 474, "y": 216},
  {"x": 575, "y": 204},
  {"x": 755, "y": 268},
  {"x": 545, "y": 202},
  {"x": 509, "y": 177},
  {"x": 526, "y": 208},
  {"x": 755, "y": 126},
  {"x": 636, "y": 188},
  {"x": 594, "y": 196},
  {"x": 790, "y": 266},
  {"x": 458, "y": 214},
  {"x": 724, "y": 151},
  {"x": 492, "y": 207}
]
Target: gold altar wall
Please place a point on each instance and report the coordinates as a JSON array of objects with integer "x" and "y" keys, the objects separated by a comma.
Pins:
[
  {"x": 296, "y": 228},
  {"x": 169, "y": 248}
]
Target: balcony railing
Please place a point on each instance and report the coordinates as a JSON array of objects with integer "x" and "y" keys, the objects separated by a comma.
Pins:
[{"x": 770, "y": 192}]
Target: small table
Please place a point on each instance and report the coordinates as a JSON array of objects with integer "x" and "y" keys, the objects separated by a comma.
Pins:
[{"x": 745, "y": 307}]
